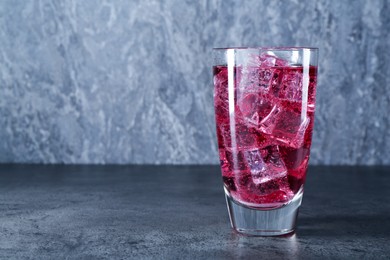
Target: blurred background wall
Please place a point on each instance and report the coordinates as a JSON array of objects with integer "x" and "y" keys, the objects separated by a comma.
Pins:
[{"x": 130, "y": 81}]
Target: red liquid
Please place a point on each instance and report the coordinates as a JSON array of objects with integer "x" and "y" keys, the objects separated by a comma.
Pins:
[{"x": 264, "y": 140}]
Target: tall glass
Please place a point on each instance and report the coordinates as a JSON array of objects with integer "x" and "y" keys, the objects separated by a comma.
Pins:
[{"x": 264, "y": 100}]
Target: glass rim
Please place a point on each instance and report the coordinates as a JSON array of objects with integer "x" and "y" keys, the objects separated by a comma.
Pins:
[{"x": 271, "y": 48}]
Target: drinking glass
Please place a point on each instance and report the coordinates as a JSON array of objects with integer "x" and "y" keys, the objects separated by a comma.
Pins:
[{"x": 264, "y": 100}]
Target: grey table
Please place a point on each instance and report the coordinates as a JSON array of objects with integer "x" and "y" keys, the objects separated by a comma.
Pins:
[{"x": 179, "y": 212}]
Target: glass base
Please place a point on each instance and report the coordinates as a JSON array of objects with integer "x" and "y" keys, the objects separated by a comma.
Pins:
[{"x": 258, "y": 222}]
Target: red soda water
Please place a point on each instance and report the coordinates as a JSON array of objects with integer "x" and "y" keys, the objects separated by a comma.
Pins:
[{"x": 264, "y": 137}]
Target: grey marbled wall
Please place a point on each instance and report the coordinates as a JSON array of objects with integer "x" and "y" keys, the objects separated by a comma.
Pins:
[{"x": 130, "y": 81}]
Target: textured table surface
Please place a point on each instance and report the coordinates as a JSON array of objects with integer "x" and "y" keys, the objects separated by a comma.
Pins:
[{"x": 179, "y": 212}]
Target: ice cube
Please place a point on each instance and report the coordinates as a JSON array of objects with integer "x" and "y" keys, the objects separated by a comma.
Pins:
[
  {"x": 268, "y": 59},
  {"x": 245, "y": 137},
  {"x": 268, "y": 123},
  {"x": 290, "y": 129},
  {"x": 221, "y": 82},
  {"x": 265, "y": 164},
  {"x": 261, "y": 73},
  {"x": 257, "y": 73},
  {"x": 256, "y": 79},
  {"x": 285, "y": 126},
  {"x": 254, "y": 161},
  {"x": 291, "y": 86},
  {"x": 254, "y": 108}
]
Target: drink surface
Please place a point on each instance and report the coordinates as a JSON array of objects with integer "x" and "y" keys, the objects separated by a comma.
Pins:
[{"x": 264, "y": 138}]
